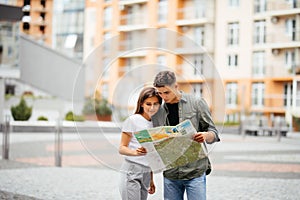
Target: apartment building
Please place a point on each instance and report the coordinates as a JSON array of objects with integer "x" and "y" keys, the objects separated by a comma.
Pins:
[
  {"x": 37, "y": 19},
  {"x": 258, "y": 56},
  {"x": 247, "y": 64},
  {"x": 242, "y": 56},
  {"x": 140, "y": 38},
  {"x": 58, "y": 24}
]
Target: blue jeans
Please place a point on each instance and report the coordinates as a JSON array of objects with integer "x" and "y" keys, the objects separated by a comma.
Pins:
[{"x": 195, "y": 188}]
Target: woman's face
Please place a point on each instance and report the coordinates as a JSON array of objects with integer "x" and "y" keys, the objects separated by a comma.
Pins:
[{"x": 150, "y": 106}]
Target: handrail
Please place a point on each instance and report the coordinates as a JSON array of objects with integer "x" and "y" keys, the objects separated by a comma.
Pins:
[{"x": 56, "y": 127}]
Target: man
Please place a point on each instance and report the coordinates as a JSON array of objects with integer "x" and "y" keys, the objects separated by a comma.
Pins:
[{"x": 178, "y": 107}]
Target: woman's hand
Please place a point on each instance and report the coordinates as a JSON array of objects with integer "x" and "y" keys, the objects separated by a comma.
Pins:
[
  {"x": 141, "y": 151},
  {"x": 151, "y": 189}
]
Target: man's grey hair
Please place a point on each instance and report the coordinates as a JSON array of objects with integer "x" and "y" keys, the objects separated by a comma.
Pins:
[{"x": 164, "y": 78}]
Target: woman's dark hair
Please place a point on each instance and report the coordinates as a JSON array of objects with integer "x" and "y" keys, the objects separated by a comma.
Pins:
[{"x": 146, "y": 93}]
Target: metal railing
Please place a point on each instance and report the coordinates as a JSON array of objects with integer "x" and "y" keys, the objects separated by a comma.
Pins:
[{"x": 58, "y": 128}]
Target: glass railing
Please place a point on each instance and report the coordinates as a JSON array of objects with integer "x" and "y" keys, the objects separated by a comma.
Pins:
[
  {"x": 282, "y": 5},
  {"x": 133, "y": 19},
  {"x": 191, "y": 13},
  {"x": 282, "y": 70},
  {"x": 280, "y": 35}
]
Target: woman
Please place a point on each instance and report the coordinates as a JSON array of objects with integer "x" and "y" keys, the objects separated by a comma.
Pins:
[{"x": 137, "y": 177}]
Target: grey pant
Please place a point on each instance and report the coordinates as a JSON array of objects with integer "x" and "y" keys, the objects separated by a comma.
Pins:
[{"x": 135, "y": 181}]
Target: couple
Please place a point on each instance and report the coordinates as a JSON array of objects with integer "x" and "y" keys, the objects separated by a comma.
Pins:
[{"x": 137, "y": 179}]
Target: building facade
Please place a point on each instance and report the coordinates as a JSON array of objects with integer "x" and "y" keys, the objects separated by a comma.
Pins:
[
  {"x": 242, "y": 56},
  {"x": 247, "y": 65}
]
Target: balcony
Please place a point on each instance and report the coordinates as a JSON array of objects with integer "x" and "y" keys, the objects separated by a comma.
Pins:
[
  {"x": 192, "y": 16},
  {"x": 273, "y": 103},
  {"x": 39, "y": 22},
  {"x": 189, "y": 73},
  {"x": 130, "y": 2},
  {"x": 280, "y": 39},
  {"x": 40, "y": 9},
  {"x": 131, "y": 22},
  {"x": 132, "y": 48},
  {"x": 282, "y": 72},
  {"x": 282, "y": 5},
  {"x": 186, "y": 45}
]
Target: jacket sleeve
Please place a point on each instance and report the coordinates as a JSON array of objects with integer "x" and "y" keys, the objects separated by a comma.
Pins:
[{"x": 205, "y": 120}]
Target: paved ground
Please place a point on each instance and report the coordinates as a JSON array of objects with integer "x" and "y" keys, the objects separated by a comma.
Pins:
[{"x": 243, "y": 168}]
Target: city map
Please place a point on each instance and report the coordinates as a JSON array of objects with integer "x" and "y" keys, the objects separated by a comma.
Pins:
[{"x": 171, "y": 146}]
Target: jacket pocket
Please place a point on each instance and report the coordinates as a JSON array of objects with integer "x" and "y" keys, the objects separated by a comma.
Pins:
[{"x": 192, "y": 116}]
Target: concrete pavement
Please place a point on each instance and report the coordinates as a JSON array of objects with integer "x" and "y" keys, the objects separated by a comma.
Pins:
[{"x": 243, "y": 168}]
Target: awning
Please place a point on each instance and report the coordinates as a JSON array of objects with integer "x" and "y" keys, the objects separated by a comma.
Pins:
[{"x": 10, "y": 13}]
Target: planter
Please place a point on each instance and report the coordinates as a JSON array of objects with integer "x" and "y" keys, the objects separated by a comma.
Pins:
[
  {"x": 104, "y": 118},
  {"x": 296, "y": 124},
  {"x": 97, "y": 118}
]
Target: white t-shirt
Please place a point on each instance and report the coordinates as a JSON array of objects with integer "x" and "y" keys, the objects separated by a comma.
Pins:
[{"x": 133, "y": 124}]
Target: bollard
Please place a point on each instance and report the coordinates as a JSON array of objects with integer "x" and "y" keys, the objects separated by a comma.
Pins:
[
  {"x": 279, "y": 134},
  {"x": 58, "y": 145},
  {"x": 242, "y": 129},
  {"x": 6, "y": 131}
]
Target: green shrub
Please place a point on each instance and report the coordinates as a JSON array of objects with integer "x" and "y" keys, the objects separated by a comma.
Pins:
[
  {"x": 21, "y": 112},
  {"x": 103, "y": 108},
  {"x": 95, "y": 106},
  {"x": 42, "y": 118},
  {"x": 89, "y": 106},
  {"x": 71, "y": 117}
]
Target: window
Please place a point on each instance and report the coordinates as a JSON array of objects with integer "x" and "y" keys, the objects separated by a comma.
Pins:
[
  {"x": 233, "y": 33},
  {"x": 232, "y": 60},
  {"x": 231, "y": 94},
  {"x": 161, "y": 62},
  {"x": 288, "y": 88},
  {"x": 128, "y": 41},
  {"x": 232, "y": 117},
  {"x": 197, "y": 89},
  {"x": 106, "y": 68},
  {"x": 162, "y": 11},
  {"x": 234, "y": 3},
  {"x": 199, "y": 35},
  {"x": 161, "y": 38},
  {"x": 199, "y": 9},
  {"x": 296, "y": 93},
  {"x": 290, "y": 28},
  {"x": 107, "y": 17},
  {"x": 260, "y": 6},
  {"x": 259, "y": 32},
  {"x": 127, "y": 65},
  {"x": 292, "y": 3},
  {"x": 258, "y": 68},
  {"x": 257, "y": 96},
  {"x": 105, "y": 91},
  {"x": 198, "y": 65},
  {"x": 107, "y": 42},
  {"x": 290, "y": 59}
]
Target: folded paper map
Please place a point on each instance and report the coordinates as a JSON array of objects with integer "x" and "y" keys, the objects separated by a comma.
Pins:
[{"x": 171, "y": 146}]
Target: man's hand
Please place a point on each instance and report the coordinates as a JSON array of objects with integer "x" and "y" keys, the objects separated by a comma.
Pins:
[
  {"x": 200, "y": 137},
  {"x": 208, "y": 137}
]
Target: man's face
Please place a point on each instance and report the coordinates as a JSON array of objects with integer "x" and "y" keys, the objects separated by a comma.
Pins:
[{"x": 168, "y": 93}]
